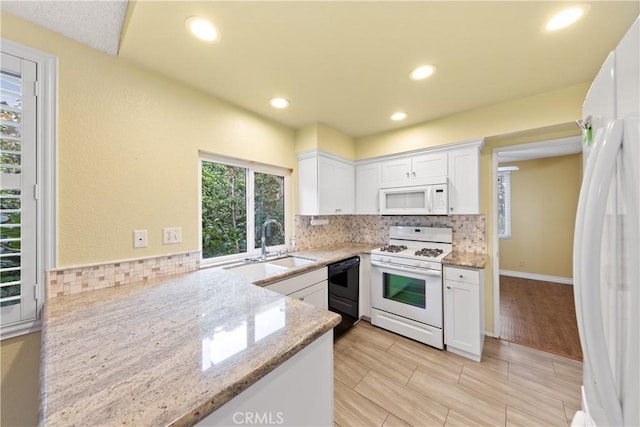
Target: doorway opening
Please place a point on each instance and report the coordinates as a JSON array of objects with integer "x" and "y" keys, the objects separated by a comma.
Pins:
[{"x": 534, "y": 203}]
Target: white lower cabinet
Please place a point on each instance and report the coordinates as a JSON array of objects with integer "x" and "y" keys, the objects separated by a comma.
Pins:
[
  {"x": 317, "y": 294},
  {"x": 311, "y": 287},
  {"x": 464, "y": 311},
  {"x": 299, "y": 392}
]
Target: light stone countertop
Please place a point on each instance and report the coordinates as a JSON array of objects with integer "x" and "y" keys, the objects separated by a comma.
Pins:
[
  {"x": 465, "y": 259},
  {"x": 168, "y": 351},
  {"x": 322, "y": 256}
]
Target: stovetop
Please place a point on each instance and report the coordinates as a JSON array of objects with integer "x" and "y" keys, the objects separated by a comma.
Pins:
[{"x": 410, "y": 245}]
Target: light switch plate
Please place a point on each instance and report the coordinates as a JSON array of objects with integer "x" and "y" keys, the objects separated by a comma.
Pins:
[{"x": 171, "y": 235}]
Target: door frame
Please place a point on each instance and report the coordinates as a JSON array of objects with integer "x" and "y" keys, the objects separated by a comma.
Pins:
[
  {"x": 46, "y": 91},
  {"x": 538, "y": 145}
]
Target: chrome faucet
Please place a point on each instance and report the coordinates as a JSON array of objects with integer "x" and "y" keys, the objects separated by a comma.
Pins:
[{"x": 264, "y": 238}]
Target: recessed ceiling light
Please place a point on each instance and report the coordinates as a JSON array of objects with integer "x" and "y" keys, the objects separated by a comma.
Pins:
[
  {"x": 279, "y": 103},
  {"x": 565, "y": 18},
  {"x": 398, "y": 116},
  {"x": 422, "y": 72},
  {"x": 202, "y": 29}
]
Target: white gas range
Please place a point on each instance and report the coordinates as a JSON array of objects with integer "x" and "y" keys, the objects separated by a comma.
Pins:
[{"x": 406, "y": 282}]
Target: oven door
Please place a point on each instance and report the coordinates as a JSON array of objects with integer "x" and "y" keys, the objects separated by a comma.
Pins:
[{"x": 408, "y": 292}]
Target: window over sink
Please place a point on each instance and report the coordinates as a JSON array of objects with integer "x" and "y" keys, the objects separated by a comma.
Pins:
[{"x": 237, "y": 197}]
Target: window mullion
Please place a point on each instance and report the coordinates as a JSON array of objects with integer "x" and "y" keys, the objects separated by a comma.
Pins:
[{"x": 251, "y": 237}]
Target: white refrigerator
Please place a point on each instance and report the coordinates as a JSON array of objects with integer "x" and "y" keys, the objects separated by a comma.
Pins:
[{"x": 607, "y": 239}]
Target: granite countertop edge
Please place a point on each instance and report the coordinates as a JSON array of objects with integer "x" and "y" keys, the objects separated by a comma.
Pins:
[{"x": 465, "y": 259}]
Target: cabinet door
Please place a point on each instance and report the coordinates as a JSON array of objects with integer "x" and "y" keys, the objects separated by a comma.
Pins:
[
  {"x": 462, "y": 316},
  {"x": 308, "y": 186},
  {"x": 344, "y": 187},
  {"x": 368, "y": 188},
  {"x": 327, "y": 200},
  {"x": 317, "y": 295},
  {"x": 464, "y": 181},
  {"x": 396, "y": 172},
  {"x": 426, "y": 167},
  {"x": 336, "y": 187}
]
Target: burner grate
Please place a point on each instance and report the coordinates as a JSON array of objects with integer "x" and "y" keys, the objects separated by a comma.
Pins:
[{"x": 429, "y": 252}]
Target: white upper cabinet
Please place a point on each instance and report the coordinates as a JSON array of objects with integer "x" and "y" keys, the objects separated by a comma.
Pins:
[
  {"x": 419, "y": 169},
  {"x": 368, "y": 188},
  {"x": 326, "y": 185},
  {"x": 464, "y": 181}
]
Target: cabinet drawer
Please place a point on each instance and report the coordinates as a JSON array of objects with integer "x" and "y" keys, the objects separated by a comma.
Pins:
[
  {"x": 296, "y": 283},
  {"x": 462, "y": 275}
]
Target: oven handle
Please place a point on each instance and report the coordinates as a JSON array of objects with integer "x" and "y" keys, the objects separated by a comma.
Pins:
[{"x": 400, "y": 267}]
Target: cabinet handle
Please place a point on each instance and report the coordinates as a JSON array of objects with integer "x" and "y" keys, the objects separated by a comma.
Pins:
[
  {"x": 451, "y": 208},
  {"x": 414, "y": 174},
  {"x": 407, "y": 174},
  {"x": 461, "y": 276},
  {"x": 448, "y": 287}
]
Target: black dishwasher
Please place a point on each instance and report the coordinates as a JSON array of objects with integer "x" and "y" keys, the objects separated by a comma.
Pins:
[{"x": 344, "y": 286}]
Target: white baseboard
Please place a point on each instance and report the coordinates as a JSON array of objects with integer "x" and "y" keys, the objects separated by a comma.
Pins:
[
  {"x": 542, "y": 277},
  {"x": 488, "y": 334}
]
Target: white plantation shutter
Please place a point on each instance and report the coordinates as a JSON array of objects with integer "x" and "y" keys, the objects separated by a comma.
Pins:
[{"x": 18, "y": 177}]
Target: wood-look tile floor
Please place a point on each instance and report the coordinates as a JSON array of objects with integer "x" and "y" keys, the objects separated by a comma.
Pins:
[
  {"x": 539, "y": 314},
  {"x": 383, "y": 379}
]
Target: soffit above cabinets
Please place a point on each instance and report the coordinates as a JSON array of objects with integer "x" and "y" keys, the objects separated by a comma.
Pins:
[{"x": 347, "y": 64}]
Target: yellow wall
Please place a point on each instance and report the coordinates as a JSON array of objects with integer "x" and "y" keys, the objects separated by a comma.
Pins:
[
  {"x": 128, "y": 142},
  {"x": 533, "y": 112},
  {"x": 19, "y": 384},
  {"x": 544, "y": 197},
  {"x": 540, "y": 117},
  {"x": 318, "y": 136}
]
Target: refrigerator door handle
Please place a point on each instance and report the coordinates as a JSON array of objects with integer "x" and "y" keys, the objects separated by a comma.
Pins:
[{"x": 593, "y": 336}]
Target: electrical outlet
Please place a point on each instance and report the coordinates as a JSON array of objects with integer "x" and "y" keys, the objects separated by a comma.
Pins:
[
  {"x": 139, "y": 238},
  {"x": 171, "y": 235}
]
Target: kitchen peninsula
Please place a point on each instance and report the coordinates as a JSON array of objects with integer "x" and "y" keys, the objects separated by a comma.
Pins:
[{"x": 169, "y": 351}]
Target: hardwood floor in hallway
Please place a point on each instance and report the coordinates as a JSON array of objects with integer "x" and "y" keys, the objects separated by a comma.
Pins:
[
  {"x": 540, "y": 315},
  {"x": 383, "y": 379}
]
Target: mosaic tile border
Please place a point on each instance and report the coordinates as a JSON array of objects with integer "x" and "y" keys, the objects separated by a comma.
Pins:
[
  {"x": 74, "y": 280},
  {"x": 469, "y": 231}
]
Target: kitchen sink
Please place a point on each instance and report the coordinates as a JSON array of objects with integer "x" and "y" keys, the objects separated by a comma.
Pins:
[{"x": 261, "y": 270}]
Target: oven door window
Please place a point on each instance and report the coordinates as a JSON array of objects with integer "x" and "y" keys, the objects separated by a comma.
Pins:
[{"x": 405, "y": 290}]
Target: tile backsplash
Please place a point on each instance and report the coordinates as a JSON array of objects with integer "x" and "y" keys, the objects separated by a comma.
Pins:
[
  {"x": 73, "y": 280},
  {"x": 469, "y": 231}
]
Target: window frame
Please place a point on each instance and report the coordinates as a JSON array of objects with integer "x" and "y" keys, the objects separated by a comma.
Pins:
[
  {"x": 46, "y": 176},
  {"x": 252, "y": 168},
  {"x": 505, "y": 172}
]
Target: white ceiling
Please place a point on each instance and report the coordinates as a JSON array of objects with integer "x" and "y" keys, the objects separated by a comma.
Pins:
[
  {"x": 346, "y": 64},
  {"x": 97, "y": 24}
]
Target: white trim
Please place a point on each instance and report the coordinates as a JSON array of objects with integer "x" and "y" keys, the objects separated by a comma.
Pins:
[
  {"x": 46, "y": 147},
  {"x": 534, "y": 276},
  {"x": 252, "y": 168},
  {"x": 496, "y": 244},
  {"x": 474, "y": 143},
  {"x": 311, "y": 154},
  {"x": 488, "y": 334}
]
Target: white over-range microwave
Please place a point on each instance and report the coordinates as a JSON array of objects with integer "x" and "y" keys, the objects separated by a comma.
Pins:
[{"x": 419, "y": 200}]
